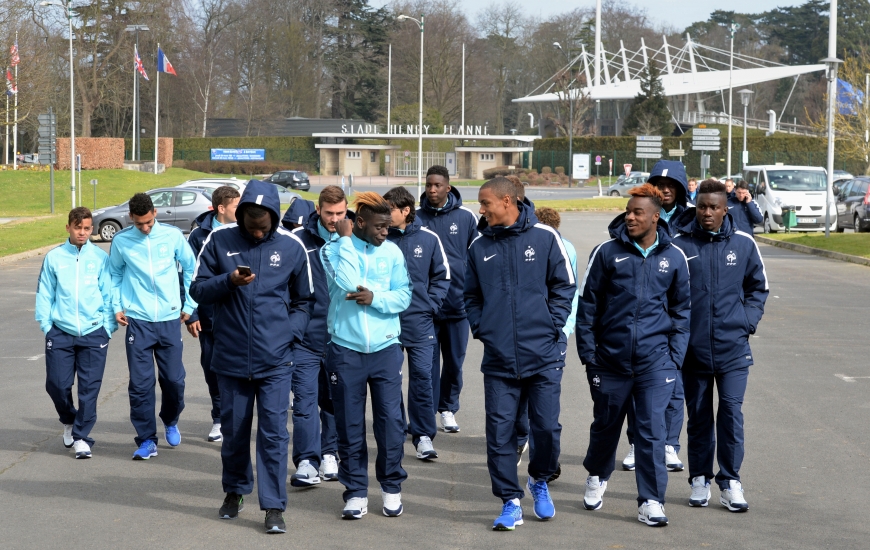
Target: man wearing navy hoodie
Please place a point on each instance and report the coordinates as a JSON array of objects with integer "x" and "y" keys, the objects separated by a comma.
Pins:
[
  {"x": 224, "y": 202},
  {"x": 430, "y": 274},
  {"x": 442, "y": 212},
  {"x": 256, "y": 275},
  {"x": 518, "y": 292},
  {"x": 729, "y": 290},
  {"x": 632, "y": 333}
]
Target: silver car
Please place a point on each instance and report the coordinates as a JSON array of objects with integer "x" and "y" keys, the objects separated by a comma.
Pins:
[
  {"x": 178, "y": 206},
  {"x": 623, "y": 184}
]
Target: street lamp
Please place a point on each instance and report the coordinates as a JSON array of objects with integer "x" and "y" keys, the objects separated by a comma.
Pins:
[
  {"x": 732, "y": 29},
  {"x": 134, "y": 154},
  {"x": 420, "y": 126},
  {"x": 831, "y": 72},
  {"x": 72, "y": 107},
  {"x": 745, "y": 97},
  {"x": 571, "y": 126}
]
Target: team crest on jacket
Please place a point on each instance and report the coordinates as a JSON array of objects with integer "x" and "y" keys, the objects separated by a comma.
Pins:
[
  {"x": 130, "y": 339},
  {"x": 48, "y": 344},
  {"x": 275, "y": 259},
  {"x": 163, "y": 251},
  {"x": 529, "y": 254},
  {"x": 91, "y": 267},
  {"x": 664, "y": 265},
  {"x": 418, "y": 251},
  {"x": 454, "y": 229},
  {"x": 596, "y": 381},
  {"x": 731, "y": 258}
]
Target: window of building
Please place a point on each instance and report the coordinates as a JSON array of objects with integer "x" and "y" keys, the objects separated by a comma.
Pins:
[
  {"x": 354, "y": 154},
  {"x": 487, "y": 156},
  {"x": 372, "y": 156}
]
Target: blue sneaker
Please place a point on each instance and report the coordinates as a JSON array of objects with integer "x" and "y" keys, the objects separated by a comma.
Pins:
[
  {"x": 173, "y": 437},
  {"x": 145, "y": 451},
  {"x": 511, "y": 516},
  {"x": 544, "y": 508}
]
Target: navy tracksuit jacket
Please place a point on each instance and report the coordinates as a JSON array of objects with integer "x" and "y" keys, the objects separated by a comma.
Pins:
[
  {"x": 456, "y": 226},
  {"x": 729, "y": 289},
  {"x": 519, "y": 287},
  {"x": 632, "y": 332},
  {"x": 745, "y": 215},
  {"x": 256, "y": 329},
  {"x": 430, "y": 276}
]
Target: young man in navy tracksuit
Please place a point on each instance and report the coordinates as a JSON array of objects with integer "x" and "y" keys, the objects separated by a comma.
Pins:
[
  {"x": 743, "y": 209},
  {"x": 368, "y": 288},
  {"x": 729, "y": 289},
  {"x": 518, "y": 292},
  {"x": 224, "y": 201},
  {"x": 442, "y": 212},
  {"x": 430, "y": 274},
  {"x": 315, "y": 441},
  {"x": 670, "y": 178},
  {"x": 632, "y": 333},
  {"x": 259, "y": 320}
]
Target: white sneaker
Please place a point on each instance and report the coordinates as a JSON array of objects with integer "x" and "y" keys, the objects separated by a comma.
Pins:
[
  {"x": 448, "y": 422},
  {"x": 329, "y": 468},
  {"x": 520, "y": 451},
  {"x": 594, "y": 493},
  {"x": 732, "y": 497},
  {"x": 67, "y": 435},
  {"x": 425, "y": 450},
  {"x": 652, "y": 513},
  {"x": 305, "y": 475},
  {"x": 672, "y": 460},
  {"x": 392, "y": 504},
  {"x": 355, "y": 508},
  {"x": 215, "y": 433},
  {"x": 628, "y": 461},
  {"x": 700, "y": 492},
  {"x": 82, "y": 449}
]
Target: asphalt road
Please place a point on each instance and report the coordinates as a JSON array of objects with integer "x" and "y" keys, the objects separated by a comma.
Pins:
[{"x": 804, "y": 472}]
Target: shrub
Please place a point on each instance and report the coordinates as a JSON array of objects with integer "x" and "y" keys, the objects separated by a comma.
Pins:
[
  {"x": 546, "y": 170},
  {"x": 490, "y": 173},
  {"x": 560, "y": 170}
]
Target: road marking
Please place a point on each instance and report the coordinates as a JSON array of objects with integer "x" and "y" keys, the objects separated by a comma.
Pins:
[
  {"x": 32, "y": 358},
  {"x": 845, "y": 378}
]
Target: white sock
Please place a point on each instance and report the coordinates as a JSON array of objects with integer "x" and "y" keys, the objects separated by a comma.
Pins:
[{"x": 516, "y": 501}]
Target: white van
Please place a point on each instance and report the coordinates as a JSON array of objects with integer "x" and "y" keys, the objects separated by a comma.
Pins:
[{"x": 801, "y": 187}]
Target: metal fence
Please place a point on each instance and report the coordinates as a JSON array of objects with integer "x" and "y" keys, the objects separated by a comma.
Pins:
[{"x": 406, "y": 164}]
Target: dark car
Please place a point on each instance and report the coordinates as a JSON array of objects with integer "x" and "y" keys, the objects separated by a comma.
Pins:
[
  {"x": 178, "y": 206},
  {"x": 852, "y": 197},
  {"x": 291, "y": 179}
]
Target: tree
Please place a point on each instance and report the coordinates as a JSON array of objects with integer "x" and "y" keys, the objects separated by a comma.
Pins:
[{"x": 649, "y": 114}]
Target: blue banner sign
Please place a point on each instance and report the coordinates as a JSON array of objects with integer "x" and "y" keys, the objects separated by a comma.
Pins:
[{"x": 238, "y": 154}]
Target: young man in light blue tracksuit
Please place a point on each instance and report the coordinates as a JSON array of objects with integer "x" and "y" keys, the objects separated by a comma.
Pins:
[
  {"x": 74, "y": 311},
  {"x": 144, "y": 264},
  {"x": 368, "y": 288}
]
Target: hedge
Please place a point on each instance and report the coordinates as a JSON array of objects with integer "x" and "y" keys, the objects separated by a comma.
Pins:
[{"x": 246, "y": 168}]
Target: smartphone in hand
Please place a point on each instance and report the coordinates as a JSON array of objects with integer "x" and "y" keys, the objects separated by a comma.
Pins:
[{"x": 244, "y": 270}]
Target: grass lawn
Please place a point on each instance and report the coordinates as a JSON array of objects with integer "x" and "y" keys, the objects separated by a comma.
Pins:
[
  {"x": 21, "y": 237},
  {"x": 856, "y": 244},
  {"x": 585, "y": 205}
]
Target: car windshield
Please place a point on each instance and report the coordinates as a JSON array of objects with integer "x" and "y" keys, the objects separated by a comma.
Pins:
[
  {"x": 301, "y": 176},
  {"x": 797, "y": 180}
]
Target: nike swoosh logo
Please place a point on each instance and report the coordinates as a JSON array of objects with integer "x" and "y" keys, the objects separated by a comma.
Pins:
[
  {"x": 621, "y": 259},
  {"x": 669, "y": 380},
  {"x": 692, "y": 257},
  {"x": 104, "y": 345},
  {"x": 133, "y": 254},
  {"x": 233, "y": 253},
  {"x": 488, "y": 258},
  {"x": 564, "y": 352}
]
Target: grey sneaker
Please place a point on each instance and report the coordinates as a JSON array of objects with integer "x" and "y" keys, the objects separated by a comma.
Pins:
[
  {"x": 215, "y": 433},
  {"x": 672, "y": 460},
  {"x": 355, "y": 508},
  {"x": 592, "y": 500},
  {"x": 425, "y": 450},
  {"x": 306, "y": 475},
  {"x": 329, "y": 468},
  {"x": 652, "y": 513},
  {"x": 732, "y": 497},
  {"x": 448, "y": 423},
  {"x": 67, "y": 435},
  {"x": 700, "y": 492},
  {"x": 82, "y": 449},
  {"x": 628, "y": 461}
]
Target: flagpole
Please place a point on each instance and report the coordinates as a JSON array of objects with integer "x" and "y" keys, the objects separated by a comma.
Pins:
[
  {"x": 15, "y": 128},
  {"x": 6, "y": 144},
  {"x": 157, "y": 109},
  {"x": 135, "y": 81}
]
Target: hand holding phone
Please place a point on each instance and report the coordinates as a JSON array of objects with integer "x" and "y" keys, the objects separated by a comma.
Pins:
[{"x": 242, "y": 276}]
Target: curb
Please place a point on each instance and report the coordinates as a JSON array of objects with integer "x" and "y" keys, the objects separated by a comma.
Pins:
[
  {"x": 26, "y": 254},
  {"x": 814, "y": 251}
]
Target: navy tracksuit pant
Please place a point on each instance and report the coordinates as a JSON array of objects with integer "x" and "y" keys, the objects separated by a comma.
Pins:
[
  {"x": 206, "y": 349},
  {"x": 351, "y": 373},
  {"x": 451, "y": 341},
  {"x": 612, "y": 396},
  {"x": 674, "y": 415},
  {"x": 146, "y": 342},
  {"x": 313, "y": 435},
  {"x": 703, "y": 436},
  {"x": 501, "y": 401},
  {"x": 421, "y": 407},
  {"x": 68, "y": 357},
  {"x": 272, "y": 396}
]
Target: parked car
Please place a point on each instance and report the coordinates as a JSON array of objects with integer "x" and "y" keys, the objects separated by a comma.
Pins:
[
  {"x": 286, "y": 197},
  {"x": 800, "y": 187},
  {"x": 178, "y": 206},
  {"x": 620, "y": 187},
  {"x": 842, "y": 175},
  {"x": 632, "y": 174},
  {"x": 214, "y": 183},
  {"x": 291, "y": 179},
  {"x": 852, "y": 198}
]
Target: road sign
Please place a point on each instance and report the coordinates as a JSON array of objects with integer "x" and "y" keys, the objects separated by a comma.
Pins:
[
  {"x": 705, "y": 147},
  {"x": 650, "y": 138},
  {"x": 706, "y": 138},
  {"x": 676, "y": 153},
  {"x": 597, "y": 160},
  {"x": 648, "y": 155},
  {"x": 705, "y": 132},
  {"x": 47, "y": 131},
  {"x": 648, "y": 149},
  {"x": 627, "y": 168}
]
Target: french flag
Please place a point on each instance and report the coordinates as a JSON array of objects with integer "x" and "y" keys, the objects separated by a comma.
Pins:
[{"x": 163, "y": 64}]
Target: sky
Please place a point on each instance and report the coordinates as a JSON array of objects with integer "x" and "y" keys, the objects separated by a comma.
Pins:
[{"x": 679, "y": 13}]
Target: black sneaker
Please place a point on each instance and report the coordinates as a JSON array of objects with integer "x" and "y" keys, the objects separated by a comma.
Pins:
[
  {"x": 275, "y": 521},
  {"x": 556, "y": 474},
  {"x": 233, "y": 504}
]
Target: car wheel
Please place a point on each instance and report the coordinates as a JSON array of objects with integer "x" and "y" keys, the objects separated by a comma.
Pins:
[
  {"x": 614, "y": 193},
  {"x": 108, "y": 230},
  {"x": 767, "y": 226},
  {"x": 857, "y": 225}
]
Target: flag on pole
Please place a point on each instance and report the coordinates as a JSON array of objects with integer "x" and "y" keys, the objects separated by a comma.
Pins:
[
  {"x": 139, "y": 67},
  {"x": 14, "y": 53},
  {"x": 11, "y": 88},
  {"x": 163, "y": 64}
]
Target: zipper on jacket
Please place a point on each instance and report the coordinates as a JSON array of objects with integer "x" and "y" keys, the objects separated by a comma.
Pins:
[
  {"x": 511, "y": 272},
  {"x": 712, "y": 257},
  {"x": 153, "y": 286},
  {"x": 78, "y": 320},
  {"x": 365, "y": 308},
  {"x": 643, "y": 278},
  {"x": 259, "y": 265}
]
